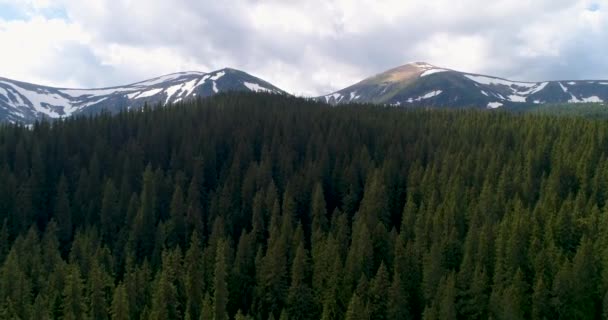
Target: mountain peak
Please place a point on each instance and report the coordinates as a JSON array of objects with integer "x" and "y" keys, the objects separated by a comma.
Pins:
[
  {"x": 423, "y": 84},
  {"x": 422, "y": 65}
]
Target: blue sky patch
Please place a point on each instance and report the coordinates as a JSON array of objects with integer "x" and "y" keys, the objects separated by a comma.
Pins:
[
  {"x": 11, "y": 12},
  {"x": 594, "y": 7}
]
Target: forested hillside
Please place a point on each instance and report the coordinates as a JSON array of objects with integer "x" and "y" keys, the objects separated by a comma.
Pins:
[{"x": 253, "y": 206}]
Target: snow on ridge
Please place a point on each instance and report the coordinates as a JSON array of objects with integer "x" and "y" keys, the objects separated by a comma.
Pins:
[
  {"x": 144, "y": 94},
  {"x": 189, "y": 86},
  {"x": 354, "y": 96},
  {"x": 172, "y": 90},
  {"x": 563, "y": 87},
  {"x": 428, "y": 95},
  {"x": 337, "y": 97},
  {"x": 534, "y": 90},
  {"x": 516, "y": 98},
  {"x": 203, "y": 79},
  {"x": 39, "y": 100},
  {"x": 158, "y": 80},
  {"x": 432, "y": 71},
  {"x": 258, "y": 88},
  {"x": 76, "y": 93},
  {"x": 423, "y": 65},
  {"x": 494, "y": 81},
  {"x": 215, "y": 87},
  {"x": 218, "y": 75},
  {"x": 84, "y": 105},
  {"x": 592, "y": 99},
  {"x": 595, "y": 99},
  {"x": 494, "y": 105}
]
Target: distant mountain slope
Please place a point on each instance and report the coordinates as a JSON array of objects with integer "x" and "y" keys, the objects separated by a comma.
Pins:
[
  {"x": 25, "y": 103},
  {"x": 422, "y": 84}
]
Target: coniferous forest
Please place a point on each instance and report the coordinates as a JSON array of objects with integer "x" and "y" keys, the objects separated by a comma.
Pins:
[{"x": 252, "y": 206}]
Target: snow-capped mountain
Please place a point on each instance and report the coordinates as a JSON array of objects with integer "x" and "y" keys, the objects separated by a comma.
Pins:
[
  {"x": 422, "y": 84},
  {"x": 25, "y": 103}
]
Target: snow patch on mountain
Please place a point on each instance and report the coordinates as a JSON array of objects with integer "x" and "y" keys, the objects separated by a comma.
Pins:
[
  {"x": 428, "y": 95},
  {"x": 516, "y": 98},
  {"x": 218, "y": 75},
  {"x": 158, "y": 80},
  {"x": 494, "y": 105},
  {"x": 42, "y": 101},
  {"x": 432, "y": 71},
  {"x": 592, "y": 99},
  {"x": 256, "y": 87},
  {"x": 533, "y": 90},
  {"x": 497, "y": 81}
]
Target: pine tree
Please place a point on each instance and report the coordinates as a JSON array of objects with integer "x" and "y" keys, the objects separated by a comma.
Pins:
[
  {"x": 144, "y": 227},
  {"x": 220, "y": 296},
  {"x": 397, "y": 304},
  {"x": 120, "y": 304},
  {"x": 356, "y": 309},
  {"x": 14, "y": 286},
  {"x": 4, "y": 243},
  {"x": 374, "y": 205},
  {"x": 40, "y": 309},
  {"x": 73, "y": 306},
  {"x": 194, "y": 278},
  {"x": 379, "y": 294},
  {"x": 177, "y": 233},
  {"x": 165, "y": 303},
  {"x": 62, "y": 212},
  {"x": 447, "y": 298},
  {"x": 109, "y": 216},
  {"x": 300, "y": 300},
  {"x": 318, "y": 212},
  {"x": 207, "y": 311},
  {"x": 98, "y": 290}
]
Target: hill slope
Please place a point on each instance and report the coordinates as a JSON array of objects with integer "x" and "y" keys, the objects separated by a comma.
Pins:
[
  {"x": 25, "y": 102},
  {"x": 422, "y": 84}
]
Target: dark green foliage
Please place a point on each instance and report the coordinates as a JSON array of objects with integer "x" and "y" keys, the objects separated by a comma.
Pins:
[{"x": 267, "y": 207}]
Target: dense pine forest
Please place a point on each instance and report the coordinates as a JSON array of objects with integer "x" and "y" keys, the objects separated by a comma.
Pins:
[{"x": 251, "y": 206}]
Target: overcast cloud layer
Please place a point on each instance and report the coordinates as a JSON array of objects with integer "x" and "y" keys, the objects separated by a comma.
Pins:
[{"x": 304, "y": 47}]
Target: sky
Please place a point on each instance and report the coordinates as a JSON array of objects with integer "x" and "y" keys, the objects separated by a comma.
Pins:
[{"x": 306, "y": 47}]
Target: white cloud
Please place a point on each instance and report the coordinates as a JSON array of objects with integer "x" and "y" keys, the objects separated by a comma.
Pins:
[
  {"x": 306, "y": 47},
  {"x": 28, "y": 50}
]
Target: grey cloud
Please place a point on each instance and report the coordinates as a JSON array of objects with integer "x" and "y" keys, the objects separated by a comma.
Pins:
[{"x": 219, "y": 33}]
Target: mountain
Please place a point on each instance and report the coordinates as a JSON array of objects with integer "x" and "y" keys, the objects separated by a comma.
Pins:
[
  {"x": 25, "y": 102},
  {"x": 422, "y": 84}
]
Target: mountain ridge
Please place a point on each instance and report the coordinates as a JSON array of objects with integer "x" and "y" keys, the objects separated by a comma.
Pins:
[
  {"x": 22, "y": 102},
  {"x": 433, "y": 86},
  {"x": 416, "y": 84}
]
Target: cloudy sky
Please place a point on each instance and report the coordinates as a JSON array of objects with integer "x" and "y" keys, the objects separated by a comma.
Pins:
[{"x": 305, "y": 47}]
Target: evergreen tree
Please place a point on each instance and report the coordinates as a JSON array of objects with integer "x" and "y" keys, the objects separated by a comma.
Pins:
[
  {"x": 62, "y": 212},
  {"x": 194, "y": 278},
  {"x": 73, "y": 307},
  {"x": 300, "y": 300},
  {"x": 120, "y": 304},
  {"x": 220, "y": 296},
  {"x": 109, "y": 217}
]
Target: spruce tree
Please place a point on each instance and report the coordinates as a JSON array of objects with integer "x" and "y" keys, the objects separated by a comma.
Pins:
[
  {"x": 220, "y": 296},
  {"x": 120, "y": 304}
]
